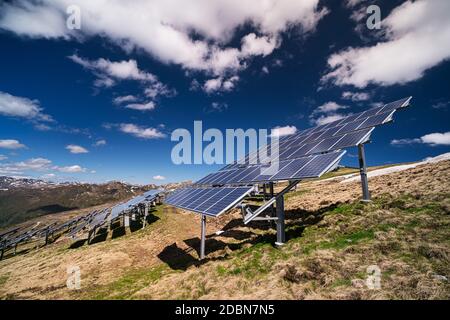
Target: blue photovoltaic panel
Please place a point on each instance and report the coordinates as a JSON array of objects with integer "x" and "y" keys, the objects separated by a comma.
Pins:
[
  {"x": 208, "y": 193},
  {"x": 122, "y": 207},
  {"x": 396, "y": 104},
  {"x": 226, "y": 202},
  {"x": 319, "y": 165},
  {"x": 193, "y": 195},
  {"x": 219, "y": 194},
  {"x": 291, "y": 169},
  {"x": 372, "y": 112},
  {"x": 152, "y": 193},
  {"x": 251, "y": 176},
  {"x": 325, "y": 145},
  {"x": 210, "y": 201},
  {"x": 339, "y": 134},
  {"x": 376, "y": 120},
  {"x": 352, "y": 139}
]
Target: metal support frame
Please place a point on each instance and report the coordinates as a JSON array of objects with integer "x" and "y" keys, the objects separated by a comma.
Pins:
[
  {"x": 252, "y": 215},
  {"x": 281, "y": 236},
  {"x": 363, "y": 173},
  {"x": 203, "y": 237},
  {"x": 126, "y": 220},
  {"x": 272, "y": 209}
]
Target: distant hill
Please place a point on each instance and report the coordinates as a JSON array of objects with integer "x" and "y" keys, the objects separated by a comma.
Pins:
[{"x": 23, "y": 199}]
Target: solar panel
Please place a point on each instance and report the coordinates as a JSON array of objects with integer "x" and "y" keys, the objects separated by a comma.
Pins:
[
  {"x": 311, "y": 140},
  {"x": 209, "y": 201},
  {"x": 152, "y": 193},
  {"x": 287, "y": 170},
  {"x": 98, "y": 219}
]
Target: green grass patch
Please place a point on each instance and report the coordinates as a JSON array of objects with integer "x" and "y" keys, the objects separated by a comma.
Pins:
[
  {"x": 295, "y": 193},
  {"x": 3, "y": 279},
  {"x": 254, "y": 261},
  {"x": 340, "y": 242},
  {"x": 130, "y": 283},
  {"x": 343, "y": 282}
]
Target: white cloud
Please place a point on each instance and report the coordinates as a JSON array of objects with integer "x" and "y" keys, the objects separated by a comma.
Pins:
[
  {"x": 437, "y": 139},
  {"x": 141, "y": 132},
  {"x": 3, "y": 157},
  {"x": 219, "y": 84},
  {"x": 441, "y": 105},
  {"x": 355, "y": 96},
  {"x": 194, "y": 34},
  {"x": 122, "y": 99},
  {"x": 71, "y": 169},
  {"x": 34, "y": 164},
  {"x": 99, "y": 143},
  {"x": 108, "y": 71},
  {"x": 327, "y": 119},
  {"x": 141, "y": 106},
  {"x": 412, "y": 32},
  {"x": 76, "y": 149},
  {"x": 352, "y": 3},
  {"x": 11, "y": 144},
  {"x": 157, "y": 88},
  {"x": 330, "y": 106},
  {"x": 218, "y": 106},
  {"x": 284, "y": 131},
  {"x": 433, "y": 139},
  {"x": 42, "y": 127},
  {"x": 21, "y": 107},
  {"x": 253, "y": 45},
  {"x": 37, "y": 165},
  {"x": 326, "y": 113},
  {"x": 158, "y": 177}
]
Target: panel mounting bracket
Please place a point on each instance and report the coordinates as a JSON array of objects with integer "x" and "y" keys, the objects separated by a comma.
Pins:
[{"x": 250, "y": 215}]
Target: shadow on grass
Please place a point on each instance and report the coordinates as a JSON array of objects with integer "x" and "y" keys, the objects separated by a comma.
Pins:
[
  {"x": 296, "y": 222},
  {"x": 78, "y": 243}
]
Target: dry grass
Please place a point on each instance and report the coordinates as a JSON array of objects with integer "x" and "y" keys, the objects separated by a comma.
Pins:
[{"x": 332, "y": 240}]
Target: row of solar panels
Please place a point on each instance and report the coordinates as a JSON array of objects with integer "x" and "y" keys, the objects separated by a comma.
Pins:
[
  {"x": 148, "y": 196},
  {"x": 92, "y": 220},
  {"x": 308, "y": 154},
  {"x": 339, "y": 134}
]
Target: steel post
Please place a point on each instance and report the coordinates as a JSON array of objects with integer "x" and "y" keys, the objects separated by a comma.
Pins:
[
  {"x": 203, "y": 237},
  {"x": 363, "y": 173},
  {"x": 281, "y": 236}
]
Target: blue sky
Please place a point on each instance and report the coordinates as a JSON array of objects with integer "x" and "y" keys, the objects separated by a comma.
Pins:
[{"x": 99, "y": 103}]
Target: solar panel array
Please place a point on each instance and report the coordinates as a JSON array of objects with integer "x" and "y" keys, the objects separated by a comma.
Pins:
[
  {"x": 300, "y": 168},
  {"x": 307, "y": 154},
  {"x": 130, "y": 204},
  {"x": 347, "y": 132},
  {"x": 209, "y": 201}
]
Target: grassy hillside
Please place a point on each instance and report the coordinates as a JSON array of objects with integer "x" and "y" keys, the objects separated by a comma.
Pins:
[{"x": 332, "y": 240}]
